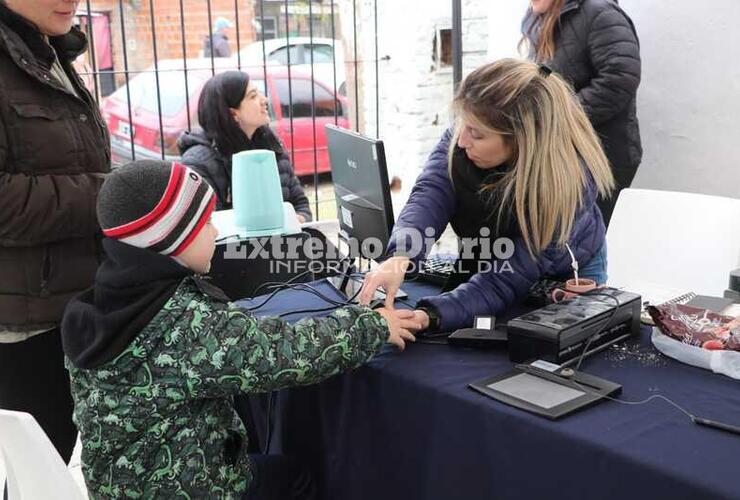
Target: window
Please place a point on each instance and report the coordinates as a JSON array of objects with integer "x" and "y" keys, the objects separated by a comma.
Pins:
[
  {"x": 269, "y": 29},
  {"x": 301, "y": 105},
  {"x": 321, "y": 54},
  {"x": 442, "y": 50},
  {"x": 325, "y": 102},
  {"x": 143, "y": 89},
  {"x": 281, "y": 55}
]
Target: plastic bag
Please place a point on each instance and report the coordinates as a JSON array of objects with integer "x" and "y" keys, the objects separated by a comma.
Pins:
[
  {"x": 697, "y": 327},
  {"x": 724, "y": 362},
  {"x": 698, "y": 337}
]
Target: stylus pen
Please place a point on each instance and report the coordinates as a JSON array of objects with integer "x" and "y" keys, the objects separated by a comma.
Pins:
[{"x": 716, "y": 425}]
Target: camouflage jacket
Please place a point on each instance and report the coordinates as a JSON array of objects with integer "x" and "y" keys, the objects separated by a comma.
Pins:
[{"x": 157, "y": 421}]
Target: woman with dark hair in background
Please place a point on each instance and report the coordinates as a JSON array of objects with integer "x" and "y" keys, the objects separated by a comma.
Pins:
[
  {"x": 593, "y": 45},
  {"x": 233, "y": 116},
  {"x": 54, "y": 152}
]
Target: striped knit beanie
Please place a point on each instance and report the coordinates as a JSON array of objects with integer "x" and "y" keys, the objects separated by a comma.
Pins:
[{"x": 156, "y": 205}]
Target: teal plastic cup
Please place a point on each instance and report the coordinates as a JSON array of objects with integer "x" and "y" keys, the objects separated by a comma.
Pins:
[{"x": 256, "y": 191}]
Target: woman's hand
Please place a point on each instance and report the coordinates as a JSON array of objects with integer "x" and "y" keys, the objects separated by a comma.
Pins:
[
  {"x": 389, "y": 275},
  {"x": 400, "y": 324},
  {"x": 422, "y": 319}
]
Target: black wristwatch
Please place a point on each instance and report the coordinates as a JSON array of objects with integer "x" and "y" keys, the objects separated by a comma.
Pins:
[{"x": 434, "y": 317}]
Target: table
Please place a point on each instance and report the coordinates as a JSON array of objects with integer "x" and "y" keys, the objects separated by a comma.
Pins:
[{"x": 406, "y": 426}]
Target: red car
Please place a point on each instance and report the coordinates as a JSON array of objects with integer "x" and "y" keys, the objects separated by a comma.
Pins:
[{"x": 144, "y": 122}]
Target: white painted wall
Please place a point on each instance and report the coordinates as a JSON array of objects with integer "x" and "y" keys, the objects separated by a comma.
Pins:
[
  {"x": 415, "y": 94},
  {"x": 688, "y": 101},
  {"x": 504, "y": 33},
  {"x": 689, "y": 97}
]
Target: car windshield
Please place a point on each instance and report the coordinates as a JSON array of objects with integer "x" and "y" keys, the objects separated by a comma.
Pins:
[{"x": 143, "y": 90}]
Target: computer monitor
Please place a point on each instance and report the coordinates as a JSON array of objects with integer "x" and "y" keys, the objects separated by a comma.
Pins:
[{"x": 361, "y": 188}]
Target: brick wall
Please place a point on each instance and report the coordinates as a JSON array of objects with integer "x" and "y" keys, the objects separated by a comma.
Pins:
[{"x": 167, "y": 27}]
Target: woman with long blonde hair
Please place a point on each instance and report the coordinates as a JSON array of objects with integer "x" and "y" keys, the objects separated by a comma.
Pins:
[{"x": 522, "y": 162}]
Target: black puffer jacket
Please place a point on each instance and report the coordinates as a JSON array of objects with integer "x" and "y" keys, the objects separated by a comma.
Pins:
[
  {"x": 54, "y": 153},
  {"x": 598, "y": 52},
  {"x": 201, "y": 155}
]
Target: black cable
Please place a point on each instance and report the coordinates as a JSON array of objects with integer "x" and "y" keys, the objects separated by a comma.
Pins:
[
  {"x": 694, "y": 418},
  {"x": 600, "y": 330},
  {"x": 304, "y": 287},
  {"x": 270, "y": 284},
  {"x": 306, "y": 311},
  {"x": 224, "y": 238},
  {"x": 322, "y": 309},
  {"x": 279, "y": 288},
  {"x": 311, "y": 289},
  {"x": 268, "y": 299},
  {"x": 270, "y": 409}
]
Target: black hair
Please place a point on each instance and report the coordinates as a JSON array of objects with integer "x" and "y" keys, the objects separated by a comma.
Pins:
[{"x": 219, "y": 95}]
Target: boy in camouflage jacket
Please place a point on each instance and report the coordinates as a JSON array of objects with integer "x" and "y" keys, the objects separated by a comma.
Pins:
[{"x": 156, "y": 354}]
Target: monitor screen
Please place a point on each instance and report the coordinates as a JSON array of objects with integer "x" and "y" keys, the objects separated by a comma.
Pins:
[{"x": 361, "y": 188}]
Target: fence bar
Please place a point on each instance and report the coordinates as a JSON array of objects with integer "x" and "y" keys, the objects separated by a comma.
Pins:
[
  {"x": 156, "y": 77},
  {"x": 357, "y": 87},
  {"x": 290, "y": 82},
  {"x": 185, "y": 64},
  {"x": 91, "y": 38},
  {"x": 128, "y": 87},
  {"x": 238, "y": 43},
  {"x": 313, "y": 112},
  {"x": 264, "y": 49},
  {"x": 334, "y": 63},
  {"x": 210, "y": 38},
  {"x": 457, "y": 55},
  {"x": 377, "y": 76}
]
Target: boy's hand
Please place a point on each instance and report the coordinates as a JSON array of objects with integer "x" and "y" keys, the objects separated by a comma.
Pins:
[{"x": 400, "y": 322}]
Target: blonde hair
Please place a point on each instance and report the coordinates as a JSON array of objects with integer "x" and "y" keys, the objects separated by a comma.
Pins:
[
  {"x": 552, "y": 140},
  {"x": 545, "y": 49}
]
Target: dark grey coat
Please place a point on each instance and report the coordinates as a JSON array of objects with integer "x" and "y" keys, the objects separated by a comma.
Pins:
[
  {"x": 220, "y": 46},
  {"x": 54, "y": 153},
  {"x": 200, "y": 154},
  {"x": 598, "y": 52}
]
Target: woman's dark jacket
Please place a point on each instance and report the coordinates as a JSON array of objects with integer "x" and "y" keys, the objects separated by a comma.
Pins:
[
  {"x": 435, "y": 201},
  {"x": 598, "y": 52},
  {"x": 54, "y": 152},
  {"x": 199, "y": 153}
]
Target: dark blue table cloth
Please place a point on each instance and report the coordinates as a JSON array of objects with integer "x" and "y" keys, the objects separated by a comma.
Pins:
[{"x": 407, "y": 426}]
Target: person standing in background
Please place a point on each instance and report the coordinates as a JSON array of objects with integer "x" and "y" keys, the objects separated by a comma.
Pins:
[
  {"x": 593, "y": 44},
  {"x": 218, "y": 41},
  {"x": 54, "y": 154}
]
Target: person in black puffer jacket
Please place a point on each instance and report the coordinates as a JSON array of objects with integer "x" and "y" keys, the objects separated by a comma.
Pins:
[
  {"x": 233, "y": 116},
  {"x": 593, "y": 44}
]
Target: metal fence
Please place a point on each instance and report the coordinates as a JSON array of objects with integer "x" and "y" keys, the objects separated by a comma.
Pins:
[{"x": 138, "y": 97}]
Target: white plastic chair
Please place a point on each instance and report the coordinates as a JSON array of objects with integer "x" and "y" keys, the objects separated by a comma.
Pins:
[
  {"x": 34, "y": 469},
  {"x": 671, "y": 240}
]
